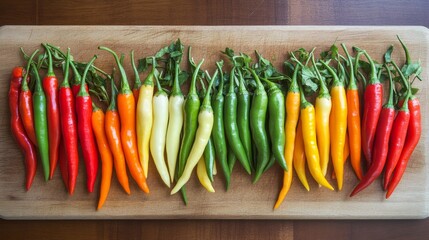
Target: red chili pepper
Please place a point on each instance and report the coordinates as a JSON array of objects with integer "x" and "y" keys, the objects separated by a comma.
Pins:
[
  {"x": 86, "y": 136},
  {"x": 17, "y": 127},
  {"x": 50, "y": 86},
  {"x": 381, "y": 144},
  {"x": 26, "y": 104},
  {"x": 414, "y": 132},
  {"x": 62, "y": 162},
  {"x": 26, "y": 109},
  {"x": 397, "y": 141},
  {"x": 69, "y": 128},
  {"x": 373, "y": 101}
]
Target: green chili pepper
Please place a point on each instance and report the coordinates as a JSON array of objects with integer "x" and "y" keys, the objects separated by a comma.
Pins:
[
  {"x": 258, "y": 113},
  {"x": 191, "y": 109},
  {"x": 41, "y": 122},
  {"x": 243, "y": 112},
  {"x": 218, "y": 133},
  {"x": 276, "y": 122},
  {"x": 231, "y": 129}
]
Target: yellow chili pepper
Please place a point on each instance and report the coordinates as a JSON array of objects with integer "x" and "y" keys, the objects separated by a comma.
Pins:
[
  {"x": 346, "y": 154},
  {"x": 145, "y": 119},
  {"x": 203, "y": 176},
  {"x": 338, "y": 125},
  {"x": 323, "y": 110},
  {"x": 292, "y": 115},
  {"x": 310, "y": 143},
  {"x": 299, "y": 157}
]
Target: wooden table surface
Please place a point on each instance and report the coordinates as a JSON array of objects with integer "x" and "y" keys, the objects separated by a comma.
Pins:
[{"x": 222, "y": 12}]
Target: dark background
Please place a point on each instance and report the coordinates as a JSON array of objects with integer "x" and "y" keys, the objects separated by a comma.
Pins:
[{"x": 220, "y": 12}]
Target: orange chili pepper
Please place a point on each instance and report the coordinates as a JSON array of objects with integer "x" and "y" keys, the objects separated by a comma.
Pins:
[
  {"x": 105, "y": 153},
  {"x": 112, "y": 128},
  {"x": 127, "y": 114}
]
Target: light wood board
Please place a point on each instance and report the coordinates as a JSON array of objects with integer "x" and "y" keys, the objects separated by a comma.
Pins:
[{"x": 244, "y": 200}]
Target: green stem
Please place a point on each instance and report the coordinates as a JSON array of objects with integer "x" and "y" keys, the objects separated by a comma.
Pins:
[
  {"x": 220, "y": 87},
  {"x": 389, "y": 103},
  {"x": 125, "y": 87},
  {"x": 404, "y": 81},
  {"x": 256, "y": 77},
  {"x": 407, "y": 54},
  {"x": 24, "y": 86},
  {"x": 176, "y": 91},
  {"x": 373, "y": 75},
  {"x": 231, "y": 80},
  {"x": 352, "y": 82},
  {"x": 82, "y": 91},
  {"x": 137, "y": 82},
  {"x": 193, "y": 87},
  {"x": 65, "y": 83},
  {"x": 50, "y": 67},
  {"x": 207, "y": 98},
  {"x": 112, "y": 105},
  {"x": 323, "y": 92},
  {"x": 294, "y": 84},
  {"x": 336, "y": 81}
]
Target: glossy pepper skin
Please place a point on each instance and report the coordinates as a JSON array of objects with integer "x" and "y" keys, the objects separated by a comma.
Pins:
[
  {"x": 338, "y": 124},
  {"x": 354, "y": 117},
  {"x": 18, "y": 130},
  {"x": 308, "y": 119},
  {"x": 231, "y": 126},
  {"x": 85, "y": 131},
  {"x": 244, "y": 100},
  {"x": 218, "y": 133},
  {"x": 50, "y": 86},
  {"x": 26, "y": 110},
  {"x": 381, "y": 143},
  {"x": 41, "y": 122},
  {"x": 258, "y": 113},
  {"x": 69, "y": 129},
  {"x": 293, "y": 106},
  {"x": 127, "y": 115},
  {"x": 373, "y": 102},
  {"x": 276, "y": 122},
  {"x": 414, "y": 133}
]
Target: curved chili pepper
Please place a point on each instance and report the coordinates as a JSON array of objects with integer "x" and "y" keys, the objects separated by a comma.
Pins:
[
  {"x": 243, "y": 114},
  {"x": 26, "y": 104},
  {"x": 258, "y": 113},
  {"x": 323, "y": 109},
  {"x": 373, "y": 102},
  {"x": 231, "y": 128},
  {"x": 399, "y": 133},
  {"x": 18, "y": 130},
  {"x": 353, "y": 118},
  {"x": 127, "y": 114},
  {"x": 276, "y": 122},
  {"x": 85, "y": 131},
  {"x": 112, "y": 128},
  {"x": 299, "y": 157},
  {"x": 218, "y": 132},
  {"x": 338, "y": 124},
  {"x": 41, "y": 122},
  {"x": 69, "y": 128},
  {"x": 98, "y": 122},
  {"x": 293, "y": 106},
  {"x": 397, "y": 141},
  {"x": 190, "y": 109},
  {"x": 310, "y": 142},
  {"x": 414, "y": 132},
  {"x": 50, "y": 86},
  {"x": 137, "y": 82},
  {"x": 381, "y": 142}
]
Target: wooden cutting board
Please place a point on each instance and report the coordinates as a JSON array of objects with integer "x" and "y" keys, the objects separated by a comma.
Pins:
[{"x": 244, "y": 200}]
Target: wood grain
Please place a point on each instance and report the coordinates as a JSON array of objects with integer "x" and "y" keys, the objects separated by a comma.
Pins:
[{"x": 244, "y": 200}]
